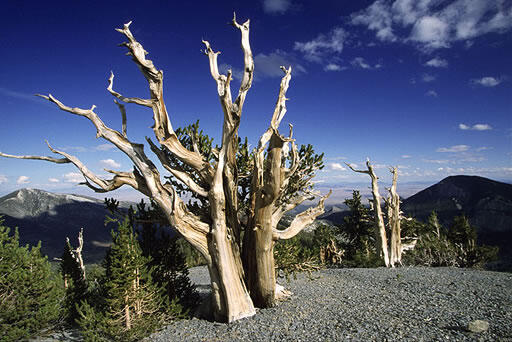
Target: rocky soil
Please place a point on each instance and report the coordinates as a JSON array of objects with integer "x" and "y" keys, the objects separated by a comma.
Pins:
[
  {"x": 402, "y": 304},
  {"x": 379, "y": 304}
]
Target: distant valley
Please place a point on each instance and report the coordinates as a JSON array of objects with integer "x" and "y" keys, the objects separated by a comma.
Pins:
[
  {"x": 50, "y": 217},
  {"x": 41, "y": 215}
]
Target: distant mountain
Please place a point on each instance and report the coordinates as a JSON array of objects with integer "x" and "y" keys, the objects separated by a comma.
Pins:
[
  {"x": 487, "y": 204},
  {"x": 335, "y": 214},
  {"x": 49, "y": 217}
]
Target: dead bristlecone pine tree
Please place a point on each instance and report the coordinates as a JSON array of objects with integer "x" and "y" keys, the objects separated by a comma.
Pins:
[
  {"x": 392, "y": 255},
  {"x": 242, "y": 272},
  {"x": 380, "y": 228}
]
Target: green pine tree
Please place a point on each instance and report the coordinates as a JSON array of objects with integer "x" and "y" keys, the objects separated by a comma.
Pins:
[
  {"x": 359, "y": 228},
  {"x": 31, "y": 294},
  {"x": 170, "y": 271},
  {"x": 461, "y": 232},
  {"x": 433, "y": 224},
  {"x": 134, "y": 306}
]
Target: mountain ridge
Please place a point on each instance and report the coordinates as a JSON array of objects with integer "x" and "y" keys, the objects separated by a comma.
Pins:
[
  {"x": 50, "y": 218},
  {"x": 487, "y": 203}
]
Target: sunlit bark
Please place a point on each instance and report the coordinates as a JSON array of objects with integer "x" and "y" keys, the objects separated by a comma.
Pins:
[{"x": 218, "y": 236}]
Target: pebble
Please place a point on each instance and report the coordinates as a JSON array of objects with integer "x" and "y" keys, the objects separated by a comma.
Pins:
[{"x": 478, "y": 326}]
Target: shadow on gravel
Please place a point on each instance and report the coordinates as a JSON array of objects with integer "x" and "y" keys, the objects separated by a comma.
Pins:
[{"x": 455, "y": 328}]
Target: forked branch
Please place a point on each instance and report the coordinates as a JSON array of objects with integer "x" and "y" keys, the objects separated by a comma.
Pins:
[
  {"x": 301, "y": 220},
  {"x": 162, "y": 125}
]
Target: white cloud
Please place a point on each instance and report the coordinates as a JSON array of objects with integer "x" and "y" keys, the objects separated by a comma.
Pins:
[
  {"x": 105, "y": 147},
  {"x": 483, "y": 148},
  {"x": 437, "y": 63},
  {"x": 428, "y": 78},
  {"x": 315, "y": 50},
  {"x": 110, "y": 163},
  {"x": 73, "y": 177},
  {"x": 333, "y": 67},
  {"x": 276, "y": 6},
  {"x": 3, "y": 179},
  {"x": 455, "y": 148},
  {"x": 432, "y": 32},
  {"x": 377, "y": 17},
  {"x": 360, "y": 62},
  {"x": 53, "y": 180},
  {"x": 269, "y": 65},
  {"x": 431, "y": 93},
  {"x": 406, "y": 156},
  {"x": 476, "y": 127},
  {"x": 486, "y": 81},
  {"x": 22, "y": 96},
  {"x": 482, "y": 127},
  {"x": 434, "y": 24},
  {"x": 471, "y": 159},
  {"x": 436, "y": 161},
  {"x": 336, "y": 167},
  {"x": 236, "y": 73},
  {"x": 74, "y": 148},
  {"x": 22, "y": 180}
]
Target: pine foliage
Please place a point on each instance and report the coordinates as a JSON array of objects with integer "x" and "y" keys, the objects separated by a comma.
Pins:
[
  {"x": 166, "y": 259},
  {"x": 359, "y": 230},
  {"x": 134, "y": 306},
  {"x": 31, "y": 295},
  {"x": 453, "y": 246}
]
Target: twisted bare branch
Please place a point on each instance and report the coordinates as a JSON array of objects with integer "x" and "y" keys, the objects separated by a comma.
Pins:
[
  {"x": 181, "y": 175},
  {"x": 136, "y": 100},
  {"x": 162, "y": 125},
  {"x": 301, "y": 220},
  {"x": 122, "y": 109}
]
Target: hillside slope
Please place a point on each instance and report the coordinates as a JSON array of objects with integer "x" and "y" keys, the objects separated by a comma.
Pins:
[
  {"x": 41, "y": 215},
  {"x": 487, "y": 204}
]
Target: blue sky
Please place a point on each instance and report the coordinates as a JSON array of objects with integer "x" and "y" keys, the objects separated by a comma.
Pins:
[{"x": 425, "y": 85}]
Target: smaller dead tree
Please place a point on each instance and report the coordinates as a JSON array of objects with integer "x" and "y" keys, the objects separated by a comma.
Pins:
[
  {"x": 380, "y": 232},
  {"x": 394, "y": 216},
  {"x": 72, "y": 263},
  {"x": 393, "y": 256},
  {"x": 77, "y": 253}
]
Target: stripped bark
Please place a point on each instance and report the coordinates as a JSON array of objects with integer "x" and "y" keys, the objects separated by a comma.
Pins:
[
  {"x": 218, "y": 236},
  {"x": 394, "y": 218},
  {"x": 76, "y": 254},
  {"x": 380, "y": 232},
  {"x": 270, "y": 180}
]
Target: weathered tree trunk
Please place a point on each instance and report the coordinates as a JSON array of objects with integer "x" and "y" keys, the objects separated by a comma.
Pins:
[
  {"x": 76, "y": 254},
  {"x": 231, "y": 298},
  {"x": 394, "y": 222},
  {"x": 270, "y": 179},
  {"x": 217, "y": 237},
  {"x": 380, "y": 232}
]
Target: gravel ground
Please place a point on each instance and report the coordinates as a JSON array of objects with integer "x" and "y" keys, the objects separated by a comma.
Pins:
[{"x": 402, "y": 304}]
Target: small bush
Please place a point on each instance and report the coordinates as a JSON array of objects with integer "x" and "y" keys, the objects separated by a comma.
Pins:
[
  {"x": 455, "y": 246},
  {"x": 306, "y": 252},
  {"x": 433, "y": 251}
]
